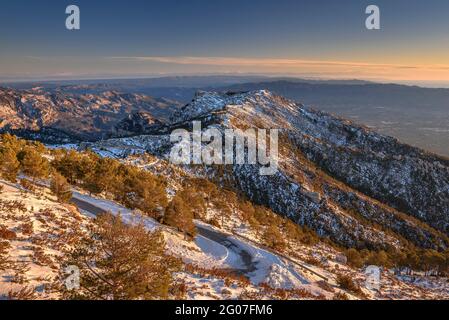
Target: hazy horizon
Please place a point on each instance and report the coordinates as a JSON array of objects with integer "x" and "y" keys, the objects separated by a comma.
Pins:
[{"x": 267, "y": 77}]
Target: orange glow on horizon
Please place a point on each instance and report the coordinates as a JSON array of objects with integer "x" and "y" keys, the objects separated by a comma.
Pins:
[{"x": 322, "y": 68}]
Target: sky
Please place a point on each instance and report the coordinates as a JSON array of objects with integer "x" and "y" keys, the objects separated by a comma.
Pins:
[{"x": 310, "y": 38}]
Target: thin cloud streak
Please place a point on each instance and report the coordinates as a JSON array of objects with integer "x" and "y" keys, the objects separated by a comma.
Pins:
[
  {"x": 269, "y": 62},
  {"x": 327, "y": 68},
  {"x": 141, "y": 66}
]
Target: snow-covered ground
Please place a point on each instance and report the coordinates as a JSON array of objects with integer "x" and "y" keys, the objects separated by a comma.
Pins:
[
  {"x": 273, "y": 269},
  {"x": 43, "y": 227},
  {"x": 205, "y": 252}
]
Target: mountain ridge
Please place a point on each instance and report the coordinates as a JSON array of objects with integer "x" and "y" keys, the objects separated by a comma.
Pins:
[
  {"x": 79, "y": 116},
  {"x": 350, "y": 213}
]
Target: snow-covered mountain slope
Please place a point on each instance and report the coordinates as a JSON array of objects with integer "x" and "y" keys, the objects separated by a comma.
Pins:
[
  {"x": 39, "y": 231},
  {"x": 58, "y": 116},
  {"x": 357, "y": 187},
  {"x": 213, "y": 248}
]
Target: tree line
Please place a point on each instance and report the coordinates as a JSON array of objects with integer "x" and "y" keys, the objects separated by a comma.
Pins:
[{"x": 136, "y": 188}]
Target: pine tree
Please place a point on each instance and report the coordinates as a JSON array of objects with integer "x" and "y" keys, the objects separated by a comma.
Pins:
[
  {"x": 139, "y": 189},
  {"x": 196, "y": 202},
  {"x": 33, "y": 164},
  {"x": 74, "y": 166},
  {"x": 413, "y": 261},
  {"x": 273, "y": 238},
  {"x": 9, "y": 141},
  {"x": 446, "y": 262},
  {"x": 180, "y": 216},
  {"x": 103, "y": 177},
  {"x": 60, "y": 187},
  {"x": 153, "y": 194},
  {"x": 293, "y": 230},
  {"x": 9, "y": 165},
  {"x": 379, "y": 259},
  {"x": 354, "y": 258},
  {"x": 433, "y": 261},
  {"x": 247, "y": 210},
  {"x": 122, "y": 262}
]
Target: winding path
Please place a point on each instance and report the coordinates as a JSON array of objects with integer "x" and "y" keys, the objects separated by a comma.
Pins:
[
  {"x": 249, "y": 265},
  {"x": 247, "y": 261}
]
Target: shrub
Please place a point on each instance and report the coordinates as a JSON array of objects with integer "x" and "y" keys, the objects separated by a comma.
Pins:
[
  {"x": 325, "y": 286},
  {"x": 214, "y": 222},
  {"x": 273, "y": 238},
  {"x": 313, "y": 261},
  {"x": 7, "y": 234},
  {"x": 226, "y": 292},
  {"x": 27, "y": 185},
  {"x": 340, "y": 296},
  {"x": 74, "y": 166},
  {"x": 346, "y": 283},
  {"x": 4, "y": 259},
  {"x": 354, "y": 258},
  {"x": 102, "y": 178},
  {"x": 139, "y": 189},
  {"x": 25, "y": 293},
  {"x": 60, "y": 187},
  {"x": 196, "y": 202},
  {"x": 27, "y": 228}
]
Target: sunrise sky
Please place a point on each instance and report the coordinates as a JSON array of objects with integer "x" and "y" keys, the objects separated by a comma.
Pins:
[{"x": 323, "y": 39}]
